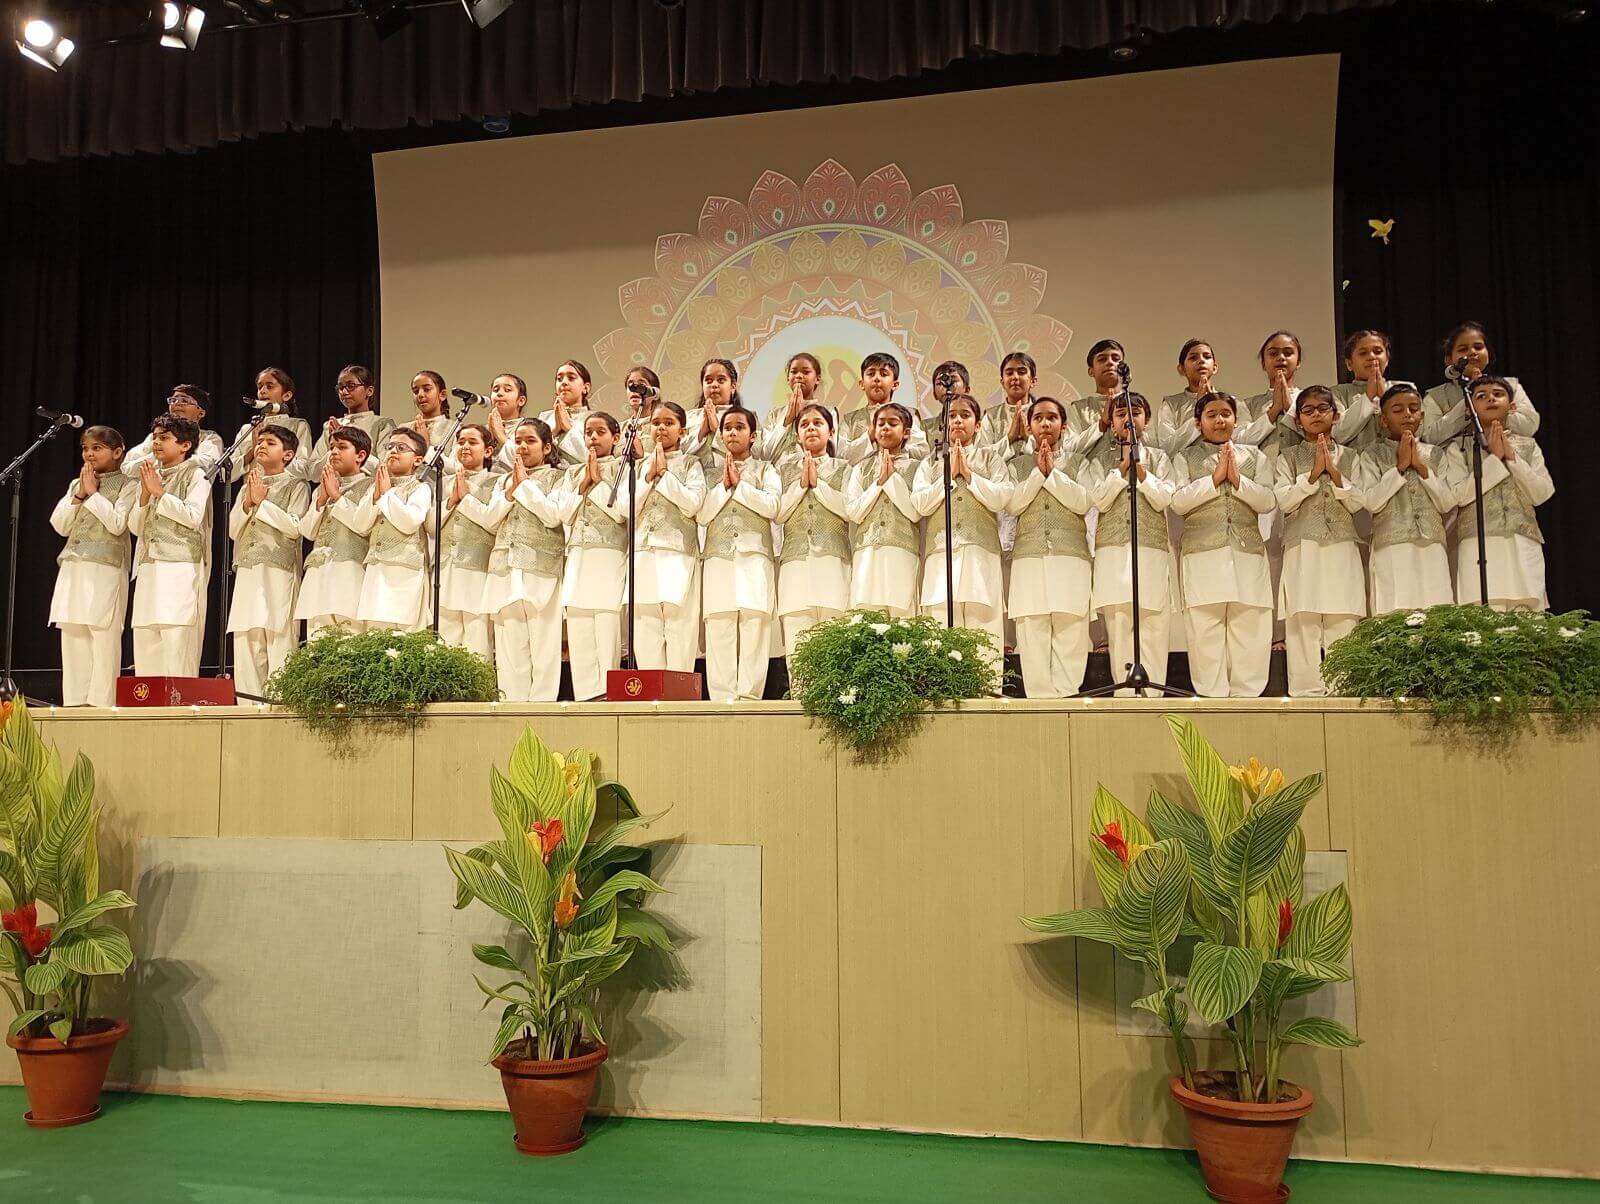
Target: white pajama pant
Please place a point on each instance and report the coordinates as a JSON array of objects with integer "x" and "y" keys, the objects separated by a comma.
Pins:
[
  {"x": 1054, "y": 649},
  {"x": 259, "y": 653},
  {"x": 594, "y": 646},
  {"x": 738, "y": 651},
  {"x": 91, "y": 658},
  {"x": 797, "y": 623},
  {"x": 1154, "y": 641},
  {"x": 1307, "y": 635},
  {"x": 469, "y": 630},
  {"x": 667, "y": 636},
  {"x": 527, "y": 653},
  {"x": 1230, "y": 649},
  {"x": 171, "y": 650}
]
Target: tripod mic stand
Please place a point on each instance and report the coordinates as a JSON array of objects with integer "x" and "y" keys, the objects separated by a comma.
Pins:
[
  {"x": 435, "y": 464},
  {"x": 1138, "y": 679},
  {"x": 13, "y": 473},
  {"x": 1480, "y": 440}
]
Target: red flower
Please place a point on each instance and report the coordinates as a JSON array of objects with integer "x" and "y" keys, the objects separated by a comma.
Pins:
[
  {"x": 549, "y": 833},
  {"x": 1285, "y": 921},
  {"x": 36, "y": 940},
  {"x": 1112, "y": 839},
  {"x": 24, "y": 919}
]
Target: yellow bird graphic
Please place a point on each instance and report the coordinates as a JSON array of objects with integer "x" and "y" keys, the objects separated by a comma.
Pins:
[{"x": 1381, "y": 229}]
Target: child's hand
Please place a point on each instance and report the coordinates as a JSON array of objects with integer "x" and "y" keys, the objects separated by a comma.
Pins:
[
  {"x": 458, "y": 490},
  {"x": 808, "y": 472},
  {"x": 1233, "y": 466},
  {"x": 1105, "y": 414},
  {"x": 517, "y": 475},
  {"x": 591, "y": 473},
  {"x": 1019, "y": 418},
  {"x": 380, "y": 482},
  {"x": 1377, "y": 386},
  {"x": 730, "y": 474},
  {"x": 708, "y": 419},
  {"x": 497, "y": 426},
  {"x": 1280, "y": 395},
  {"x": 255, "y": 489},
  {"x": 1405, "y": 454},
  {"x": 420, "y": 425},
  {"x": 1219, "y": 474},
  {"x": 332, "y": 424},
  {"x": 562, "y": 417},
  {"x": 885, "y": 465},
  {"x": 1045, "y": 458},
  {"x": 88, "y": 483},
  {"x": 1330, "y": 460},
  {"x": 796, "y": 400},
  {"x": 1319, "y": 463},
  {"x": 150, "y": 486},
  {"x": 1500, "y": 443},
  {"x": 1127, "y": 458},
  {"x": 959, "y": 468},
  {"x": 658, "y": 465}
]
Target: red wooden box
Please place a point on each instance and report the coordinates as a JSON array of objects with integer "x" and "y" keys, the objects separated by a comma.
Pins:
[
  {"x": 175, "y": 692},
  {"x": 651, "y": 685}
]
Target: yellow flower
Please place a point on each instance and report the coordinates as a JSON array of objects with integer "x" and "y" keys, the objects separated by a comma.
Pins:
[
  {"x": 1258, "y": 781},
  {"x": 566, "y": 909},
  {"x": 569, "y": 772}
]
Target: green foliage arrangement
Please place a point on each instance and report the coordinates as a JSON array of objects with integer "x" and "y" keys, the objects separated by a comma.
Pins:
[
  {"x": 1474, "y": 665},
  {"x": 381, "y": 677},
  {"x": 1231, "y": 875},
  {"x": 49, "y": 856},
  {"x": 573, "y": 897},
  {"x": 868, "y": 677}
]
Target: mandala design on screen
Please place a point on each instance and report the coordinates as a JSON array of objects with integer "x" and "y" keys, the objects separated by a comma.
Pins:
[{"x": 839, "y": 269}]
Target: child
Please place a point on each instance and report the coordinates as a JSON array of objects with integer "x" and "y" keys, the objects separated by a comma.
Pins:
[
  {"x": 189, "y": 402},
  {"x": 880, "y": 377},
  {"x": 465, "y": 544},
  {"x": 885, "y": 544},
  {"x": 814, "y": 562},
  {"x": 1223, "y": 488},
  {"x": 1174, "y": 421},
  {"x": 643, "y": 387},
  {"x": 265, "y": 529},
  {"x": 1005, "y": 423},
  {"x": 1106, "y": 479},
  {"x": 1050, "y": 567},
  {"x": 337, "y": 563},
  {"x": 594, "y": 578},
  {"x": 172, "y": 563},
  {"x": 1366, "y": 359},
  {"x": 1089, "y": 418},
  {"x": 508, "y": 398},
  {"x": 90, "y": 603},
  {"x": 358, "y": 392},
  {"x": 277, "y": 386},
  {"x": 524, "y": 580},
  {"x": 395, "y": 587},
  {"x": 1268, "y": 419},
  {"x": 1403, "y": 483},
  {"x": 671, "y": 489},
  {"x": 567, "y": 413},
  {"x": 433, "y": 407},
  {"x": 804, "y": 373},
  {"x": 931, "y": 416},
  {"x": 719, "y": 390},
  {"x": 1444, "y": 412},
  {"x": 1321, "y": 593},
  {"x": 1515, "y": 481},
  {"x": 739, "y": 588},
  {"x": 980, "y": 489}
]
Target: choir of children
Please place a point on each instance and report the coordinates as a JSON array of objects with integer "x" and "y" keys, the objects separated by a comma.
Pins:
[{"x": 755, "y": 530}]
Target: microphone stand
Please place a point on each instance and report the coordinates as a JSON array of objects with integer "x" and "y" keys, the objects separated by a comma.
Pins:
[
  {"x": 948, "y": 380},
  {"x": 1480, "y": 440},
  {"x": 223, "y": 468},
  {"x": 630, "y": 456},
  {"x": 435, "y": 464},
  {"x": 13, "y": 473},
  {"x": 1138, "y": 679}
]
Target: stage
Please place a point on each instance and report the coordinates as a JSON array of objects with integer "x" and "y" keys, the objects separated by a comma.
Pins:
[{"x": 851, "y": 952}]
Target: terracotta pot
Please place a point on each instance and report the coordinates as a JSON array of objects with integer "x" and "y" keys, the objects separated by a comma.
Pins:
[
  {"x": 63, "y": 1081},
  {"x": 1243, "y": 1148},
  {"x": 548, "y": 1099}
]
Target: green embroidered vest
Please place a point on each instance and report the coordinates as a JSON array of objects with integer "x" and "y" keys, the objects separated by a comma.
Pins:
[
  {"x": 660, "y": 523},
  {"x": 1509, "y": 511},
  {"x": 261, "y": 543},
  {"x": 975, "y": 523},
  {"x": 335, "y": 542},
  {"x": 387, "y": 544},
  {"x": 88, "y": 541},
  {"x": 813, "y": 530},
  {"x": 1227, "y": 519},
  {"x": 165, "y": 539},
  {"x": 523, "y": 541},
  {"x": 461, "y": 541},
  {"x": 592, "y": 527},
  {"x": 737, "y": 528},
  {"x": 1046, "y": 527},
  {"x": 1410, "y": 515},
  {"x": 884, "y": 525},
  {"x": 1320, "y": 519},
  {"x": 1112, "y": 527}
]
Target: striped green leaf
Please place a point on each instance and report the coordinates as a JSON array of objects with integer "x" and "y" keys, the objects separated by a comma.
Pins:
[
  {"x": 1246, "y": 857},
  {"x": 533, "y": 771},
  {"x": 1162, "y": 1004},
  {"x": 1170, "y": 821},
  {"x": 1108, "y": 869},
  {"x": 112, "y": 900},
  {"x": 97, "y": 949},
  {"x": 63, "y": 839},
  {"x": 1319, "y": 1030},
  {"x": 1322, "y": 928},
  {"x": 1220, "y": 797},
  {"x": 1222, "y": 978},
  {"x": 1091, "y": 923},
  {"x": 483, "y": 883},
  {"x": 45, "y": 978},
  {"x": 496, "y": 956},
  {"x": 1288, "y": 877},
  {"x": 622, "y": 880},
  {"x": 1318, "y": 971},
  {"x": 1262, "y": 921},
  {"x": 1149, "y": 906}
]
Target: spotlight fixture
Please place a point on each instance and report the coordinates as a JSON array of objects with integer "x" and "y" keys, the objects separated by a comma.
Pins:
[
  {"x": 496, "y": 123},
  {"x": 484, "y": 11},
  {"x": 41, "y": 43},
  {"x": 388, "y": 17},
  {"x": 1124, "y": 52},
  {"x": 180, "y": 25}
]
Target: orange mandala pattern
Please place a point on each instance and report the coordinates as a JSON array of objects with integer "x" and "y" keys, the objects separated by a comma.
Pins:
[{"x": 839, "y": 269}]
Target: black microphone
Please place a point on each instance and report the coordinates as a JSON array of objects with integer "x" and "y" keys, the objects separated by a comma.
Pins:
[
  {"x": 1457, "y": 370},
  {"x": 267, "y": 408},
  {"x": 469, "y": 397},
  {"x": 1125, "y": 372},
  {"x": 59, "y": 418}
]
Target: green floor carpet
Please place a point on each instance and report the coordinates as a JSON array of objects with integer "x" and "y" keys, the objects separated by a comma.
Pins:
[{"x": 185, "y": 1151}]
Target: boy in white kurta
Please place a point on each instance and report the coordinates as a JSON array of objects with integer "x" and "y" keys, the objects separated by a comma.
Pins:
[
  {"x": 90, "y": 603},
  {"x": 885, "y": 546},
  {"x": 1223, "y": 489},
  {"x": 595, "y": 574},
  {"x": 466, "y": 543},
  {"x": 1105, "y": 476},
  {"x": 172, "y": 564},
  {"x": 331, "y": 588},
  {"x": 852, "y": 440},
  {"x": 1050, "y": 565},
  {"x": 522, "y": 591},
  {"x": 980, "y": 489},
  {"x": 671, "y": 489},
  {"x": 739, "y": 590},
  {"x": 814, "y": 562},
  {"x": 394, "y": 515},
  {"x": 1322, "y": 592},
  {"x": 1005, "y": 422},
  {"x": 1515, "y": 480},
  {"x": 190, "y": 402},
  {"x": 1404, "y": 485},
  {"x": 265, "y": 529}
]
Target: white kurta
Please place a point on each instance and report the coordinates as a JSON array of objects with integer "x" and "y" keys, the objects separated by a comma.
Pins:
[
  {"x": 1113, "y": 567},
  {"x": 594, "y": 578},
  {"x": 1444, "y": 413},
  {"x": 744, "y": 581},
  {"x": 377, "y": 427},
  {"x": 1515, "y": 562},
  {"x": 822, "y": 582},
  {"x": 979, "y": 579},
  {"x": 519, "y": 585},
  {"x": 89, "y": 594},
  {"x": 333, "y": 589},
  {"x": 1407, "y": 576},
  {"x": 573, "y": 448},
  {"x": 1045, "y": 585},
  {"x": 665, "y": 576},
  {"x": 206, "y": 454},
  {"x": 299, "y": 467},
  {"x": 264, "y": 596},
  {"x": 882, "y": 577},
  {"x": 860, "y": 448},
  {"x": 1324, "y": 579},
  {"x": 460, "y": 588},
  {"x": 172, "y": 593},
  {"x": 1226, "y": 574},
  {"x": 393, "y": 594}
]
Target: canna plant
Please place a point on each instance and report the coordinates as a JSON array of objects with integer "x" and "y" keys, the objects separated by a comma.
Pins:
[
  {"x": 1231, "y": 875},
  {"x": 49, "y": 856},
  {"x": 574, "y": 901}
]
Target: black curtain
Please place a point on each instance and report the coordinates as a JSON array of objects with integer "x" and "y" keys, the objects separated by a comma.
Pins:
[
  {"x": 123, "y": 277},
  {"x": 1476, "y": 131}
]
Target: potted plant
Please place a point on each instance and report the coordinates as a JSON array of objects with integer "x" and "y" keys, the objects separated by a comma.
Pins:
[
  {"x": 48, "y": 961},
  {"x": 1231, "y": 876},
  {"x": 573, "y": 899}
]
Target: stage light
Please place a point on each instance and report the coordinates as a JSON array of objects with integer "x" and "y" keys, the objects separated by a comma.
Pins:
[
  {"x": 388, "y": 17},
  {"x": 41, "y": 43},
  {"x": 1125, "y": 53},
  {"x": 180, "y": 25},
  {"x": 484, "y": 11}
]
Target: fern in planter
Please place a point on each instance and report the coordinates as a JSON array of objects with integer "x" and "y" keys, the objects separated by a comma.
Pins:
[
  {"x": 868, "y": 677},
  {"x": 337, "y": 680},
  {"x": 1470, "y": 664}
]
